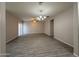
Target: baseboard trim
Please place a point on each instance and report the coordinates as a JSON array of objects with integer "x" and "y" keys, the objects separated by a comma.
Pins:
[
  {"x": 65, "y": 42},
  {"x": 47, "y": 35},
  {"x": 75, "y": 55},
  {"x": 21, "y": 36},
  {"x": 60, "y": 40},
  {"x": 32, "y": 34},
  {"x": 11, "y": 40}
]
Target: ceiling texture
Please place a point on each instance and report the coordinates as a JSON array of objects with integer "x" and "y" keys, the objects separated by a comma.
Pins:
[{"x": 26, "y": 10}]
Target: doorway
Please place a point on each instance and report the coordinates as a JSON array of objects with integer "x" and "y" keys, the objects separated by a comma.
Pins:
[{"x": 52, "y": 28}]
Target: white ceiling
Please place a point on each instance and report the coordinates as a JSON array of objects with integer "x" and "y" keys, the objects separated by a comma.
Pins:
[{"x": 26, "y": 10}]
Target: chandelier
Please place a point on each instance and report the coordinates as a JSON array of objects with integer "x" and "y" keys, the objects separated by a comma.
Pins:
[{"x": 40, "y": 18}]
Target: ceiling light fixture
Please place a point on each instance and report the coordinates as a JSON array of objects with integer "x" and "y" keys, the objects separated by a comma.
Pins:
[{"x": 40, "y": 18}]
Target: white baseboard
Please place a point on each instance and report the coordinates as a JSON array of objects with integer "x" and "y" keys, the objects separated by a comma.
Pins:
[
  {"x": 65, "y": 42},
  {"x": 11, "y": 39},
  {"x": 75, "y": 55}
]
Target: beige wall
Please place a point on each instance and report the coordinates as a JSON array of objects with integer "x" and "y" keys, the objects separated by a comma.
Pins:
[
  {"x": 63, "y": 27},
  {"x": 31, "y": 27},
  {"x": 2, "y": 29},
  {"x": 12, "y": 26},
  {"x": 47, "y": 27}
]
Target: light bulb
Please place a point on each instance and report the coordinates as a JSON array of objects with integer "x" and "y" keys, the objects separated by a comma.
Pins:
[
  {"x": 38, "y": 18},
  {"x": 44, "y": 17}
]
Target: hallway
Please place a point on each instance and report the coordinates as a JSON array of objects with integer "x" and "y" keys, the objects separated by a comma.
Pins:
[
  {"x": 39, "y": 29},
  {"x": 38, "y": 45}
]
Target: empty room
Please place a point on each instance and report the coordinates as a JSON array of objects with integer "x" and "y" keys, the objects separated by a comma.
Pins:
[{"x": 40, "y": 29}]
